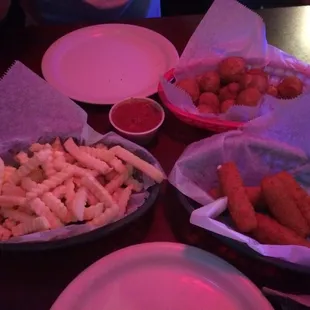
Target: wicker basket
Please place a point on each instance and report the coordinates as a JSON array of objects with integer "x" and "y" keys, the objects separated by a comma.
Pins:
[{"x": 275, "y": 69}]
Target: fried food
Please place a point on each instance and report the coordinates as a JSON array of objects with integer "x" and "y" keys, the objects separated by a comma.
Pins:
[
  {"x": 282, "y": 205},
  {"x": 254, "y": 194},
  {"x": 258, "y": 71},
  {"x": 290, "y": 87},
  {"x": 269, "y": 231},
  {"x": 258, "y": 81},
  {"x": 231, "y": 69},
  {"x": 301, "y": 197},
  {"x": 226, "y": 105},
  {"x": 210, "y": 82},
  {"x": 239, "y": 205},
  {"x": 210, "y": 100},
  {"x": 249, "y": 97},
  {"x": 272, "y": 91},
  {"x": 229, "y": 91},
  {"x": 191, "y": 87}
]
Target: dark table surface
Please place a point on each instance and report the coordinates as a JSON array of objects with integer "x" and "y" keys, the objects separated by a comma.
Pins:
[{"x": 37, "y": 285}]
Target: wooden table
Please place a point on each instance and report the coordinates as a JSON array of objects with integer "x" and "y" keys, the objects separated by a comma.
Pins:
[{"x": 37, "y": 286}]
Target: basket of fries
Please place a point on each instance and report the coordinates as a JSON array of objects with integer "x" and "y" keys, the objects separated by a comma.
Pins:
[
  {"x": 70, "y": 189},
  {"x": 225, "y": 78},
  {"x": 251, "y": 188}
]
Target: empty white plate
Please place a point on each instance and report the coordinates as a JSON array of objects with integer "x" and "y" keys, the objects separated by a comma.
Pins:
[
  {"x": 105, "y": 64},
  {"x": 161, "y": 276}
]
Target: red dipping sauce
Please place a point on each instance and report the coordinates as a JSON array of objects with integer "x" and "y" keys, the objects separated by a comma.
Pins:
[{"x": 136, "y": 115}]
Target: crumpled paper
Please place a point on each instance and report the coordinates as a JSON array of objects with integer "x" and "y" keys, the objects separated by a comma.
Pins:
[
  {"x": 267, "y": 145},
  {"x": 30, "y": 111},
  {"x": 230, "y": 29}
]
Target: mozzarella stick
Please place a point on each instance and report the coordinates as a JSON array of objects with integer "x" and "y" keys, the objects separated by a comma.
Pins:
[
  {"x": 239, "y": 205},
  {"x": 301, "y": 197},
  {"x": 282, "y": 205},
  {"x": 138, "y": 163},
  {"x": 269, "y": 231},
  {"x": 254, "y": 194}
]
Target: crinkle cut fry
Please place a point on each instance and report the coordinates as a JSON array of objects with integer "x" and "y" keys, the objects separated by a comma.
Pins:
[
  {"x": 55, "y": 205},
  {"x": 21, "y": 157},
  {"x": 54, "y": 181},
  {"x": 37, "y": 224},
  {"x": 5, "y": 233},
  {"x": 107, "y": 217},
  {"x": 105, "y": 155},
  {"x": 40, "y": 209},
  {"x": 27, "y": 184},
  {"x": 86, "y": 159},
  {"x": 9, "y": 224},
  {"x": 138, "y": 163},
  {"x": 1, "y": 174},
  {"x": 78, "y": 203},
  {"x": 93, "y": 211},
  {"x": 11, "y": 201},
  {"x": 239, "y": 205},
  {"x": 99, "y": 191},
  {"x": 8, "y": 172},
  {"x": 118, "y": 181},
  {"x": 16, "y": 215},
  {"x": 123, "y": 199},
  {"x": 9, "y": 189},
  {"x": 33, "y": 163}
]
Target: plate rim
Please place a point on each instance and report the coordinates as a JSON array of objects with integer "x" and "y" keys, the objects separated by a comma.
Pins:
[
  {"x": 143, "y": 248},
  {"x": 49, "y": 51}
]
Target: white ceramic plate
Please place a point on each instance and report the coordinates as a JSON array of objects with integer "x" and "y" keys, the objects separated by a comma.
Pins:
[
  {"x": 105, "y": 64},
  {"x": 161, "y": 276}
]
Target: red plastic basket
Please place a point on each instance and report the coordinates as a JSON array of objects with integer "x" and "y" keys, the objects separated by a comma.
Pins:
[{"x": 195, "y": 120}]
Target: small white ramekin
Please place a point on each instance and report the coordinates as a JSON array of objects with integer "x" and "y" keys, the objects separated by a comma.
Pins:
[{"x": 142, "y": 138}]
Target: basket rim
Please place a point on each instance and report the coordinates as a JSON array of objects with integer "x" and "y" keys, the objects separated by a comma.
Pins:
[{"x": 169, "y": 75}]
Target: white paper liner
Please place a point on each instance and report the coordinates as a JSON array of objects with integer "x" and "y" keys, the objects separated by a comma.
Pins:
[
  {"x": 230, "y": 29},
  {"x": 31, "y": 110},
  {"x": 195, "y": 174}
]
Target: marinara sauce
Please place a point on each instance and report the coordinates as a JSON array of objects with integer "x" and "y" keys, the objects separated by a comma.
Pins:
[{"x": 136, "y": 115}]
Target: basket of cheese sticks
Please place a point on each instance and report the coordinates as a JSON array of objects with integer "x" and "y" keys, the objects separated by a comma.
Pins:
[
  {"x": 251, "y": 188},
  {"x": 63, "y": 183}
]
